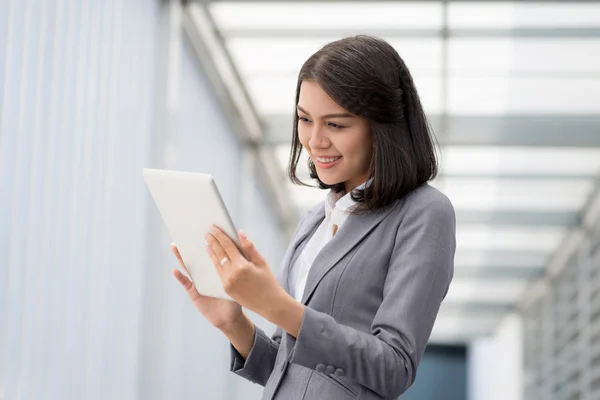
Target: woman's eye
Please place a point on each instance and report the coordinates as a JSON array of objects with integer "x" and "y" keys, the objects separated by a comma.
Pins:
[
  {"x": 302, "y": 119},
  {"x": 335, "y": 126}
]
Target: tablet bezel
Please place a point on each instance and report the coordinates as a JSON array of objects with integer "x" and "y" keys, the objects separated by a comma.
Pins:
[{"x": 176, "y": 194}]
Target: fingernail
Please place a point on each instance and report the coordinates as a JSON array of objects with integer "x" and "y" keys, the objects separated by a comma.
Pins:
[
  {"x": 243, "y": 235},
  {"x": 207, "y": 237}
]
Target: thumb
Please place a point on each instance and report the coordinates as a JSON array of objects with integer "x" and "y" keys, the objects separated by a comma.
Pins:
[{"x": 249, "y": 249}]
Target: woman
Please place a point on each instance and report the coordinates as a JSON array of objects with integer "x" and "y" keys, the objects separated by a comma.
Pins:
[{"x": 366, "y": 271}]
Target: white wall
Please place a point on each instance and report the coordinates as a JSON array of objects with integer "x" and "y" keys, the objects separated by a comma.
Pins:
[
  {"x": 88, "y": 306},
  {"x": 495, "y": 363},
  {"x": 76, "y": 121}
]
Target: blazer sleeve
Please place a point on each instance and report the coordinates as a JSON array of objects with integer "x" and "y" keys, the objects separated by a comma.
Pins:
[
  {"x": 421, "y": 268},
  {"x": 260, "y": 362}
]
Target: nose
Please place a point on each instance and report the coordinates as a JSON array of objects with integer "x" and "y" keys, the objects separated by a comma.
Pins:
[{"x": 318, "y": 138}]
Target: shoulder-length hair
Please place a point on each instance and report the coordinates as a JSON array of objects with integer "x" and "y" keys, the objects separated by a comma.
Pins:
[{"x": 367, "y": 77}]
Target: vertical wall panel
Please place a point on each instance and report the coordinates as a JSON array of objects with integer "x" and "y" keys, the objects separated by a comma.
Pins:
[
  {"x": 203, "y": 141},
  {"x": 6, "y": 9},
  {"x": 503, "y": 377},
  {"x": 13, "y": 190},
  {"x": 37, "y": 156},
  {"x": 262, "y": 228},
  {"x": 562, "y": 332},
  {"x": 88, "y": 306}
]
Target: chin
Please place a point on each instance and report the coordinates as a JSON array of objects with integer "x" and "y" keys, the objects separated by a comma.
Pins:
[{"x": 328, "y": 180}]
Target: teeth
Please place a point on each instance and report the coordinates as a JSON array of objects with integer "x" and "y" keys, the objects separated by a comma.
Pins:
[{"x": 327, "y": 160}]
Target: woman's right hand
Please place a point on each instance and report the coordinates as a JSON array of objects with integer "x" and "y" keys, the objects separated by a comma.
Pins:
[{"x": 220, "y": 313}]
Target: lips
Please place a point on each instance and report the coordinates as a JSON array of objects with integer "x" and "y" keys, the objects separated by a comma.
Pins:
[{"x": 326, "y": 162}]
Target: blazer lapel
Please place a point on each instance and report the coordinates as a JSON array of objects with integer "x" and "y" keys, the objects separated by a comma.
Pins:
[
  {"x": 305, "y": 230},
  {"x": 354, "y": 230}
]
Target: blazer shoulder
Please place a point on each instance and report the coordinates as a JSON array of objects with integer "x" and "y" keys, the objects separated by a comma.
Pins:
[
  {"x": 426, "y": 197},
  {"x": 425, "y": 207}
]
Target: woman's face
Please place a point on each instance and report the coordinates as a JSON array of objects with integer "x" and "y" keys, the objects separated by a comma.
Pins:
[{"x": 338, "y": 143}]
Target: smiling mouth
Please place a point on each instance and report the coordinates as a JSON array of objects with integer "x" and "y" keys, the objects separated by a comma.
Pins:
[{"x": 327, "y": 160}]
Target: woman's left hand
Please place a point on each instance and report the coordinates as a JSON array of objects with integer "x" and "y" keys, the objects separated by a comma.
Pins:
[{"x": 249, "y": 281}]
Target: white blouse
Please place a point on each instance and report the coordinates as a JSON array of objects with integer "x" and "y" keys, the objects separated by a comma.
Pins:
[{"x": 336, "y": 213}]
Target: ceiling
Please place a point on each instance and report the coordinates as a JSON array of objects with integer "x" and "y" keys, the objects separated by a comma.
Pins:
[{"x": 512, "y": 90}]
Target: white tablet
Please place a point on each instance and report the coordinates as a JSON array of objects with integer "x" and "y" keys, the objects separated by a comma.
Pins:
[{"x": 189, "y": 204}]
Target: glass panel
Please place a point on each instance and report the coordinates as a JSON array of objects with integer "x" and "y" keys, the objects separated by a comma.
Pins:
[
  {"x": 476, "y": 237},
  {"x": 516, "y": 196},
  {"x": 483, "y": 259},
  {"x": 489, "y": 194},
  {"x": 275, "y": 94},
  {"x": 328, "y": 15},
  {"x": 468, "y": 14},
  {"x": 493, "y": 56},
  {"x": 272, "y": 84},
  {"x": 506, "y": 194},
  {"x": 483, "y": 160},
  {"x": 450, "y": 328},
  {"x": 286, "y": 55},
  {"x": 496, "y": 290},
  {"x": 493, "y": 95}
]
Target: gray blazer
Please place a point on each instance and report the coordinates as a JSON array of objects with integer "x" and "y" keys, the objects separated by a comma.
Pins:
[{"x": 371, "y": 296}]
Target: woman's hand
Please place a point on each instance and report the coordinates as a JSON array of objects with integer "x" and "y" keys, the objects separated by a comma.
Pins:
[
  {"x": 221, "y": 313},
  {"x": 249, "y": 280}
]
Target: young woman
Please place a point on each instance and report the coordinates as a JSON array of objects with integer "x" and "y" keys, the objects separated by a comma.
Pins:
[{"x": 366, "y": 271}]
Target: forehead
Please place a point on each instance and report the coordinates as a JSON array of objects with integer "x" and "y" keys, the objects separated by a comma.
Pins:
[{"x": 314, "y": 99}]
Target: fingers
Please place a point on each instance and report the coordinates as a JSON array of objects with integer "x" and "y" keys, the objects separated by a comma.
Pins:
[
  {"x": 216, "y": 261},
  {"x": 187, "y": 285},
  {"x": 229, "y": 248},
  {"x": 216, "y": 248},
  {"x": 184, "y": 280},
  {"x": 175, "y": 251},
  {"x": 250, "y": 250}
]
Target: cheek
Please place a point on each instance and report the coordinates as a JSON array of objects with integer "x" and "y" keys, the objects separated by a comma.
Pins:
[
  {"x": 358, "y": 148},
  {"x": 303, "y": 136}
]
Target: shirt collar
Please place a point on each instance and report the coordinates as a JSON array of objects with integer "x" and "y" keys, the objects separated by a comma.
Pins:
[{"x": 339, "y": 201}]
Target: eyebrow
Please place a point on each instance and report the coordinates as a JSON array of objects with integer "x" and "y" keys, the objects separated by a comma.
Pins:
[{"x": 339, "y": 115}]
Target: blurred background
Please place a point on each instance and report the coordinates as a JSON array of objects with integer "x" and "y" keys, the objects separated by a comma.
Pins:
[{"x": 92, "y": 91}]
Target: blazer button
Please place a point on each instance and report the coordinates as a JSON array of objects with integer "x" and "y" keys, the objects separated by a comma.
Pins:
[
  {"x": 339, "y": 373},
  {"x": 320, "y": 367},
  {"x": 329, "y": 370}
]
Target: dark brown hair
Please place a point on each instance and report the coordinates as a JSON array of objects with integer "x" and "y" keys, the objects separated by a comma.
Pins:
[{"x": 367, "y": 77}]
